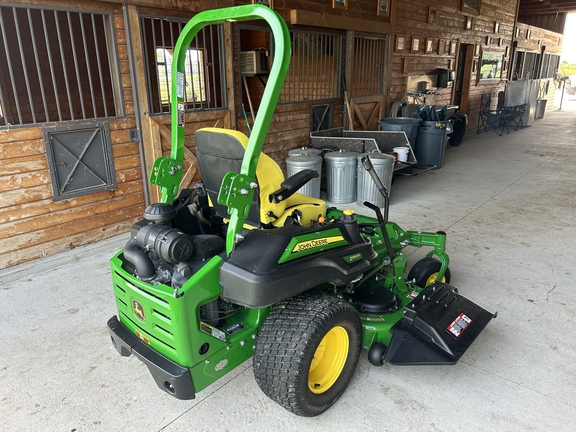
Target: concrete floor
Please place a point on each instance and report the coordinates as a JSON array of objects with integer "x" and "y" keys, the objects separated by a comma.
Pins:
[{"x": 508, "y": 206}]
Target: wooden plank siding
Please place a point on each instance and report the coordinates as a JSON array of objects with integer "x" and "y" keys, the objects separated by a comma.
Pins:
[{"x": 32, "y": 225}]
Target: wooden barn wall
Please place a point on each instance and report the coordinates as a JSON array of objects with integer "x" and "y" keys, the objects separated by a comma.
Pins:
[
  {"x": 32, "y": 225},
  {"x": 411, "y": 20}
]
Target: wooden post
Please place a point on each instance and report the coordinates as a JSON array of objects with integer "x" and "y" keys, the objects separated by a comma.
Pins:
[
  {"x": 230, "y": 86},
  {"x": 141, "y": 96}
]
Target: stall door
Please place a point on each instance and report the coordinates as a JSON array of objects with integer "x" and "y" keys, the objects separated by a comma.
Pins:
[
  {"x": 364, "y": 86},
  {"x": 463, "y": 76}
]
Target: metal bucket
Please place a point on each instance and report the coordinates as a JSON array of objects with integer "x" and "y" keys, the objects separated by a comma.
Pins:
[
  {"x": 340, "y": 177},
  {"x": 305, "y": 151},
  {"x": 295, "y": 164},
  {"x": 367, "y": 191}
]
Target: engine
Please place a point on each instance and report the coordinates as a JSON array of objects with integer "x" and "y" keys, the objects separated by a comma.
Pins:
[{"x": 159, "y": 252}]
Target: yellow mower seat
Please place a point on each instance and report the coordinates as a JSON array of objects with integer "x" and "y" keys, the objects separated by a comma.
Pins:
[{"x": 220, "y": 151}]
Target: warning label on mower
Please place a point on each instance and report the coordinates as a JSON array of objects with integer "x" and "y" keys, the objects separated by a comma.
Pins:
[
  {"x": 212, "y": 331},
  {"x": 459, "y": 324},
  {"x": 180, "y": 85},
  {"x": 181, "y": 113}
]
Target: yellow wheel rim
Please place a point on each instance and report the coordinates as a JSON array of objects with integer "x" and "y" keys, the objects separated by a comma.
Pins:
[
  {"x": 329, "y": 360},
  {"x": 433, "y": 277}
]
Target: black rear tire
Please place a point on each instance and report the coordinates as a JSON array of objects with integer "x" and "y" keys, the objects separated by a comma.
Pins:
[
  {"x": 424, "y": 272},
  {"x": 307, "y": 352}
]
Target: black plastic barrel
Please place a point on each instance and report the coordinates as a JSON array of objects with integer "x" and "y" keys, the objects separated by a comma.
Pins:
[
  {"x": 431, "y": 143},
  {"x": 459, "y": 122},
  {"x": 407, "y": 124}
]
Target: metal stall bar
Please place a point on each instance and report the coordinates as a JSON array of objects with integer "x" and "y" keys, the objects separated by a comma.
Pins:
[
  {"x": 51, "y": 64},
  {"x": 40, "y": 75},
  {"x": 164, "y": 66},
  {"x": 88, "y": 69},
  {"x": 211, "y": 92},
  {"x": 99, "y": 63},
  {"x": 222, "y": 49},
  {"x": 75, "y": 57},
  {"x": 24, "y": 67},
  {"x": 63, "y": 60},
  {"x": 10, "y": 71},
  {"x": 164, "y": 55}
]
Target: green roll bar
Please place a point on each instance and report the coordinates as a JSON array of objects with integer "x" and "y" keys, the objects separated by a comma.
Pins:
[{"x": 237, "y": 189}]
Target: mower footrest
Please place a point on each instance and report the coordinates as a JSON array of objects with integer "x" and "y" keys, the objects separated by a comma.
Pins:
[
  {"x": 169, "y": 376},
  {"x": 437, "y": 328}
]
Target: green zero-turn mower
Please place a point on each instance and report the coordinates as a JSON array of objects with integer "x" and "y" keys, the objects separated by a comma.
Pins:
[{"x": 241, "y": 266}]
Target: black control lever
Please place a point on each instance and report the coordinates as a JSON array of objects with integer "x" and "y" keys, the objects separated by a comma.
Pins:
[
  {"x": 292, "y": 184},
  {"x": 382, "y": 224},
  {"x": 382, "y": 219},
  {"x": 367, "y": 164}
]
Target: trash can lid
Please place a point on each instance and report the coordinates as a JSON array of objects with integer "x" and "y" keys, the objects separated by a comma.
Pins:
[
  {"x": 399, "y": 120},
  {"x": 378, "y": 159},
  {"x": 304, "y": 158},
  {"x": 340, "y": 155},
  {"x": 305, "y": 151}
]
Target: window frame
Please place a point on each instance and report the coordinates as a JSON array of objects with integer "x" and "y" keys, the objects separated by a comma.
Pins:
[
  {"x": 214, "y": 73},
  {"x": 54, "y": 82}
]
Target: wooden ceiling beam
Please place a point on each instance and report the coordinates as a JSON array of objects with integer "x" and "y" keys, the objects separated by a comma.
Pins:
[{"x": 537, "y": 7}]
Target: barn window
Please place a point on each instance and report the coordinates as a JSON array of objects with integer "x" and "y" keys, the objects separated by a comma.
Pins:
[
  {"x": 550, "y": 65},
  {"x": 56, "y": 66},
  {"x": 205, "y": 66},
  {"x": 315, "y": 67},
  {"x": 195, "y": 78}
]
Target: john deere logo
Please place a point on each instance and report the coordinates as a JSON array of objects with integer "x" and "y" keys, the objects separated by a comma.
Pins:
[
  {"x": 311, "y": 244},
  {"x": 138, "y": 310}
]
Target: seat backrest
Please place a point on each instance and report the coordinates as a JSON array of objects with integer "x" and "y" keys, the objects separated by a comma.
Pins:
[{"x": 220, "y": 151}]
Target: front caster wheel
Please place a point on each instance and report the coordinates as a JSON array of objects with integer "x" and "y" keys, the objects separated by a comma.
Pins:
[
  {"x": 307, "y": 351},
  {"x": 376, "y": 354},
  {"x": 426, "y": 271}
]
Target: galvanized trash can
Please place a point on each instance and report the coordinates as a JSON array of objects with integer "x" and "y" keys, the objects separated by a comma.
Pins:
[
  {"x": 540, "y": 108},
  {"x": 340, "y": 176},
  {"x": 295, "y": 164},
  {"x": 305, "y": 151},
  {"x": 367, "y": 190}
]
